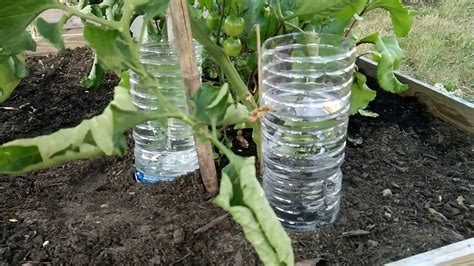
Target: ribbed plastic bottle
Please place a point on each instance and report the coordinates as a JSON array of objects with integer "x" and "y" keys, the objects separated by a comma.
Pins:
[
  {"x": 164, "y": 149},
  {"x": 307, "y": 80}
]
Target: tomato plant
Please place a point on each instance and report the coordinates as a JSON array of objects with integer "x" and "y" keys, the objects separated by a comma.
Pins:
[{"x": 106, "y": 30}]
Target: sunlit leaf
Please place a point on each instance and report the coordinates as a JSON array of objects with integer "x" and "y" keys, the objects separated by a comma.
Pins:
[
  {"x": 389, "y": 58},
  {"x": 100, "y": 135},
  {"x": 402, "y": 19},
  {"x": 361, "y": 94},
  {"x": 242, "y": 196}
]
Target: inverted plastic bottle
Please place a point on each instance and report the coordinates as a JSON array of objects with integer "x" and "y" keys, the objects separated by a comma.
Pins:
[
  {"x": 164, "y": 149},
  {"x": 307, "y": 80}
]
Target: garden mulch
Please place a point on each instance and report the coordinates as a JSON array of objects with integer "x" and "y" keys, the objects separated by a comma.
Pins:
[{"x": 93, "y": 212}]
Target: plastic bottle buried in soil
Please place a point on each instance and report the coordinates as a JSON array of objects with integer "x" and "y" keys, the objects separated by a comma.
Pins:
[
  {"x": 164, "y": 149},
  {"x": 306, "y": 83}
]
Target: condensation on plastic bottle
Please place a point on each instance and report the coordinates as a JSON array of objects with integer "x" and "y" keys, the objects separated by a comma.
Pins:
[
  {"x": 307, "y": 82},
  {"x": 164, "y": 149}
]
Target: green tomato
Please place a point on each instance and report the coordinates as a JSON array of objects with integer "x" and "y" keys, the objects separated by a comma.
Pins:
[
  {"x": 233, "y": 25},
  {"x": 232, "y": 46},
  {"x": 212, "y": 21}
]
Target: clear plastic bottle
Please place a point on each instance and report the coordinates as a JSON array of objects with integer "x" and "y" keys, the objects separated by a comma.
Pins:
[
  {"x": 307, "y": 80},
  {"x": 164, "y": 149}
]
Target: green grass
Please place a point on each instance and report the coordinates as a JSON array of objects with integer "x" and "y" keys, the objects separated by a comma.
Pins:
[{"x": 440, "y": 46}]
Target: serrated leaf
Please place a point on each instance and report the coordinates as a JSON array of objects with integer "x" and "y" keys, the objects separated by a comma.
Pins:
[
  {"x": 16, "y": 15},
  {"x": 242, "y": 196},
  {"x": 100, "y": 135},
  {"x": 388, "y": 61},
  {"x": 402, "y": 19},
  {"x": 51, "y": 32},
  {"x": 361, "y": 94}
]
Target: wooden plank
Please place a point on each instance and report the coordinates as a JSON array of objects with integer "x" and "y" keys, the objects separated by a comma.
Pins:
[
  {"x": 457, "y": 254},
  {"x": 53, "y": 15},
  {"x": 441, "y": 104},
  {"x": 70, "y": 41}
]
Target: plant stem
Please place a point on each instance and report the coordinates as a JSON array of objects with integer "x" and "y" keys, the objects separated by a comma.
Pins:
[
  {"x": 293, "y": 26},
  {"x": 354, "y": 22},
  {"x": 75, "y": 12},
  {"x": 278, "y": 12}
]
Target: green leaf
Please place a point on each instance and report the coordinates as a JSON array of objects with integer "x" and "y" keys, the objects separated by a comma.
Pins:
[
  {"x": 321, "y": 8},
  {"x": 342, "y": 19},
  {"x": 96, "y": 75},
  {"x": 100, "y": 135},
  {"x": 111, "y": 49},
  {"x": 253, "y": 13},
  {"x": 151, "y": 8},
  {"x": 242, "y": 196},
  {"x": 223, "y": 92},
  {"x": 235, "y": 114},
  {"x": 8, "y": 78},
  {"x": 402, "y": 19},
  {"x": 51, "y": 32},
  {"x": 206, "y": 3},
  {"x": 361, "y": 94},
  {"x": 388, "y": 62},
  {"x": 19, "y": 44},
  {"x": 16, "y": 15},
  {"x": 214, "y": 106}
]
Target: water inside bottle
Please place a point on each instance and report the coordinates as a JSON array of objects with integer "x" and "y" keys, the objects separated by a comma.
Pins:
[{"x": 303, "y": 143}]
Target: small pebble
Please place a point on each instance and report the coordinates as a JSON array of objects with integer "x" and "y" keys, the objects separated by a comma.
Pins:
[
  {"x": 387, "y": 215},
  {"x": 104, "y": 206},
  {"x": 387, "y": 193},
  {"x": 178, "y": 236},
  {"x": 364, "y": 175},
  {"x": 372, "y": 243},
  {"x": 396, "y": 219},
  {"x": 45, "y": 243}
]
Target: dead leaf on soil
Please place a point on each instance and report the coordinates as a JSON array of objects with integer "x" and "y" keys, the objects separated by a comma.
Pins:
[
  {"x": 358, "y": 232},
  {"x": 312, "y": 262},
  {"x": 437, "y": 214}
]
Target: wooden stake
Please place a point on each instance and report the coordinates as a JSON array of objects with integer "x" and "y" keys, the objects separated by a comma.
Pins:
[{"x": 192, "y": 81}]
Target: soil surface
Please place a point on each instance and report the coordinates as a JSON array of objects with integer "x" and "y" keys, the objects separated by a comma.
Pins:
[{"x": 93, "y": 212}]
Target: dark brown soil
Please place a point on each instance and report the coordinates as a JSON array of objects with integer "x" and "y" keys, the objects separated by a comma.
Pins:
[{"x": 93, "y": 212}]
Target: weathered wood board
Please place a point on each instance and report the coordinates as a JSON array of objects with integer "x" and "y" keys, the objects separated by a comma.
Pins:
[
  {"x": 457, "y": 254},
  {"x": 441, "y": 104}
]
